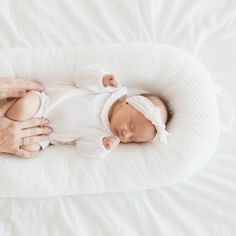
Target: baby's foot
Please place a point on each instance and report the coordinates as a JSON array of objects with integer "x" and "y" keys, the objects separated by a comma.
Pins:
[
  {"x": 24, "y": 108},
  {"x": 110, "y": 142}
]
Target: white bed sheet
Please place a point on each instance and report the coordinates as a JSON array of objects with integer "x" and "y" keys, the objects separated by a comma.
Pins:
[{"x": 203, "y": 205}]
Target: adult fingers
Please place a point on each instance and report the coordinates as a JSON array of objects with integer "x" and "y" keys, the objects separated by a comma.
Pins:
[
  {"x": 11, "y": 92},
  {"x": 35, "y": 131},
  {"x": 25, "y": 154},
  {"x": 32, "y": 147},
  {"x": 34, "y": 122},
  {"x": 34, "y": 140},
  {"x": 21, "y": 84},
  {"x": 28, "y": 85},
  {"x": 6, "y": 107}
]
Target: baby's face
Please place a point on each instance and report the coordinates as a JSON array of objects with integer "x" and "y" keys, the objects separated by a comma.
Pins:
[{"x": 130, "y": 125}]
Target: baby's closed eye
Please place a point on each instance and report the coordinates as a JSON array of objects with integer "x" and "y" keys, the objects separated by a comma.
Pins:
[
  {"x": 131, "y": 125},
  {"x": 132, "y": 129}
]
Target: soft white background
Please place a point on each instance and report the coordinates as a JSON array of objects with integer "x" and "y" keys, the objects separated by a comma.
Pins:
[{"x": 203, "y": 205}]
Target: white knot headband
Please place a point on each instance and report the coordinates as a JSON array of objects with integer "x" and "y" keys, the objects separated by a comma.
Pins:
[{"x": 152, "y": 113}]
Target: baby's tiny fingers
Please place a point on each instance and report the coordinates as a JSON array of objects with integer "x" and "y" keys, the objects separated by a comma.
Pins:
[
  {"x": 108, "y": 146},
  {"x": 114, "y": 82},
  {"x": 116, "y": 139}
]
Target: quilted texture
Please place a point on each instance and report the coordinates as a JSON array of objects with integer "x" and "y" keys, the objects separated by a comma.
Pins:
[{"x": 156, "y": 68}]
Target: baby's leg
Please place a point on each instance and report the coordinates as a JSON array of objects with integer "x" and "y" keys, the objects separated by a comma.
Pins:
[{"x": 24, "y": 109}]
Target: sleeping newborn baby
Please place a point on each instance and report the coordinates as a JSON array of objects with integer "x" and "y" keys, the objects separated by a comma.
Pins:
[{"x": 95, "y": 115}]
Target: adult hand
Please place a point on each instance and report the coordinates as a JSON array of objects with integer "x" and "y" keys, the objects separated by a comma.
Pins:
[
  {"x": 17, "y": 87},
  {"x": 15, "y": 134}
]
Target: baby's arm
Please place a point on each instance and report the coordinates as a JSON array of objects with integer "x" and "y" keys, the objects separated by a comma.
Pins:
[
  {"x": 96, "y": 147},
  {"x": 95, "y": 75}
]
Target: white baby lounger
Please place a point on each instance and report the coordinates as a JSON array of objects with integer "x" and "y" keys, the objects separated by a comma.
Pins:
[{"x": 157, "y": 68}]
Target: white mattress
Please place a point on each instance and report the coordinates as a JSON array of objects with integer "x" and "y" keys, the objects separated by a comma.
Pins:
[{"x": 203, "y": 205}]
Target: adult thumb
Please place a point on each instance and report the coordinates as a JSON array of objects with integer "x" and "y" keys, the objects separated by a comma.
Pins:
[
  {"x": 4, "y": 108},
  {"x": 12, "y": 92}
]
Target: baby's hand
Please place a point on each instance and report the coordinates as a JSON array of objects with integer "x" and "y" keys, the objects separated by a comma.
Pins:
[
  {"x": 110, "y": 142},
  {"x": 110, "y": 80}
]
